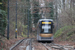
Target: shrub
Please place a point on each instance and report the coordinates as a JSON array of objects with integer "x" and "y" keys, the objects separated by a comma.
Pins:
[
  {"x": 3, "y": 22},
  {"x": 63, "y": 30}
]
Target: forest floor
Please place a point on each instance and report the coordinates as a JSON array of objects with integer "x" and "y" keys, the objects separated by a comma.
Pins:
[
  {"x": 9, "y": 43},
  {"x": 6, "y": 44}
]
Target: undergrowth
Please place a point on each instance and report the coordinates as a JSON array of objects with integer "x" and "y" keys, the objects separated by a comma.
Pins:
[{"x": 65, "y": 32}]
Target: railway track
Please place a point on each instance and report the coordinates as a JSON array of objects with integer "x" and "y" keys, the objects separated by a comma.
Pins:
[
  {"x": 24, "y": 44},
  {"x": 53, "y": 46},
  {"x": 32, "y": 44}
]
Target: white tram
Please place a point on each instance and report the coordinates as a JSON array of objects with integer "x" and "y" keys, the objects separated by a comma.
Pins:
[{"x": 45, "y": 30}]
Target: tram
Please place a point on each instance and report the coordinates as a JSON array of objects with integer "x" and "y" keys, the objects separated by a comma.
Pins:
[{"x": 45, "y": 30}]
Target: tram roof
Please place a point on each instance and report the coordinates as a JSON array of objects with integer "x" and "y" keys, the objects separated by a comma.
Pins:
[{"x": 45, "y": 19}]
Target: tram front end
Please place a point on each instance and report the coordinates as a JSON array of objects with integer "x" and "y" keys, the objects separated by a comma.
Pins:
[{"x": 45, "y": 30}]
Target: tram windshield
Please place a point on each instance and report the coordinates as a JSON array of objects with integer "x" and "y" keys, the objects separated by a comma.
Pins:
[{"x": 46, "y": 27}]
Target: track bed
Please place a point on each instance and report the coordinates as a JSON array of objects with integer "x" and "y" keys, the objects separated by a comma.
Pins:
[{"x": 33, "y": 44}]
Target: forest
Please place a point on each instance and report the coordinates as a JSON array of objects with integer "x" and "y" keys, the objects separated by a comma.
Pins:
[
  {"x": 3, "y": 17},
  {"x": 28, "y": 12}
]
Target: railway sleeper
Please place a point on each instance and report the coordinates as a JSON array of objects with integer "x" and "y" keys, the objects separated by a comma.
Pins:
[{"x": 62, "y": 48}]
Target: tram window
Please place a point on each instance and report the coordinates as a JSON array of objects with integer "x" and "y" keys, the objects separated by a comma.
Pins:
[{"x": 46, "y": 29}]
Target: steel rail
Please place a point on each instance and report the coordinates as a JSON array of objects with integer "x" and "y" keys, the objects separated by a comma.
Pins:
[
  {"x": 16, "y": 44},
  {"x": 45, "y": 46},
  {"x": 30, "y": 44}
]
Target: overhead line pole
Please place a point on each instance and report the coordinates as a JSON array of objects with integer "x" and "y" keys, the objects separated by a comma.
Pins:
[
  {"x": 8, "y": 23},
  {"x": 56, "y": 15},
  {"x": 16, "y": 21},
  {"x": 28, "y": 24}
]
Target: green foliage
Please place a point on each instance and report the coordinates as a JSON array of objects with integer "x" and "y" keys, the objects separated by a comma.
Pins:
[
  {"x": 3, "y": 13},
  {"x": 2, "y": 21},
  {"x": 62, "y": 30},
  {"x": 51, "y": 9},
  {"x": 3, "y": 5},
  {"x": 22, "y": 28},
  {"x": 65, "y": 33},
  {"x": 36, "y": 10},
  {"x": 36, "y": 16},
  {"x": 70, "y": 35},
  {"x": 3, "y": 18},
  {"x": 24, "y": 32}
]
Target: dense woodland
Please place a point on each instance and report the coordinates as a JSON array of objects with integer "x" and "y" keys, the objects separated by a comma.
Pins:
[
  {"x": 63, "y": 10},
  {"x": 66, "y": 19},
  {"x": 3, "y": 15},
  {"x": 28, "y": 14}
]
